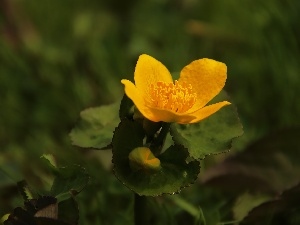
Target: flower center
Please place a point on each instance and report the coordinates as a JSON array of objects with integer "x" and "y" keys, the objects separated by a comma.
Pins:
[{"x": 175, "y": 97}]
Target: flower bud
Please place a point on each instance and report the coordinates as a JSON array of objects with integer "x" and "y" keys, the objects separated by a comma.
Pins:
[{"x": 141, "y": 158}]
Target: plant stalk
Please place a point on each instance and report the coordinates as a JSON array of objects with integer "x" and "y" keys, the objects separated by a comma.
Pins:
[
  {"x": 158, "y": 142},
  {"x": 141, "y": 212}
]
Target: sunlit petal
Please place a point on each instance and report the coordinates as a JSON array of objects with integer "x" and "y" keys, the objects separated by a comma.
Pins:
[
  {"x": 158, "y": 115},
  {"x": 207, "y": 78},
  {"x": 133, "y": 93},
  {"x": 207, "y": 111},
  {"x": 150, "y": 71}
]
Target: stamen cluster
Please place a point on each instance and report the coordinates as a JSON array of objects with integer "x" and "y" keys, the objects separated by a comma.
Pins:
[{"x": 178, "y": 97}]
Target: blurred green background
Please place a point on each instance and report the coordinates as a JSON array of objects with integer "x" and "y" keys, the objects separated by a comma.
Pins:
[{"x": 60, "y": 57}]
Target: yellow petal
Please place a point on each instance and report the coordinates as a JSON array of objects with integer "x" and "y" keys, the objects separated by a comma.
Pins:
[
  {"x": 168, "y": 116},
  {"x": 207, "y": 111},
  {"x": 207, "y": 78},
  {"x": 149, "y": 70},
  {"x": 132, "y": 92},
  {"x": 136, "y": 96}
]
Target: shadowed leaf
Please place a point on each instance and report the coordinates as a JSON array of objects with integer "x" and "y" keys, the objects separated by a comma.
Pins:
[
  {"x": 125, "y": 107},
  {"x": 24, "y": 190},
  {"x": 271, "y": 165},
  {"x": 175, "y": 172},
  {"x": 69, "y": 181},
  {"x": 283, "y": 210}
]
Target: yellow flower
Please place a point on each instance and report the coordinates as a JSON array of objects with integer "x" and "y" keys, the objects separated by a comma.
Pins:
[{"x": 159, "y": 98}]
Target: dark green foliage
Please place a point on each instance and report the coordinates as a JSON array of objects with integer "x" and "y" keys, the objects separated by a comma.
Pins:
[
  {"x": 126, "y": 108},
  {"x": 49, "y": 209},
  {"x": 60, "y": 57},
  {"x": 69, "y": 181},
  {"x": 282, "y": 210},
  {"x": 174, "y": 174},
  {"x": 269, "y": 170},
  {"x": 269, "y": 165}
]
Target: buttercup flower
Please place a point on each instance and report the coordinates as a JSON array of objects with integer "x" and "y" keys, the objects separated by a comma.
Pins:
[{"x": 159, "y": 98}]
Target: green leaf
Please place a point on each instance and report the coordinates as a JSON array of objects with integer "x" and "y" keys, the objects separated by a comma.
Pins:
[
  {"x": 50, "y": 161},
  {"x": 175, "y": 172},
  {"x": 269, "y": 165},
  {"x": 212, "y": 135},
  {"x": 69, "y": 181},
  {"x": 95, "y": 127},
  {"x": 50, "y": 158},
  {"x": 4, "y": 218},
  {"x": 24, "y": 190},
  {"x": 126, "y": 107}
]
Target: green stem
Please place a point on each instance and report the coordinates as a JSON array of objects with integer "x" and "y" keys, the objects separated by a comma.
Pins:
[
  {"x": 185, "y": 205},
  {"x": 158, "y": 142},
  {"x": 141, "y": 215}
]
